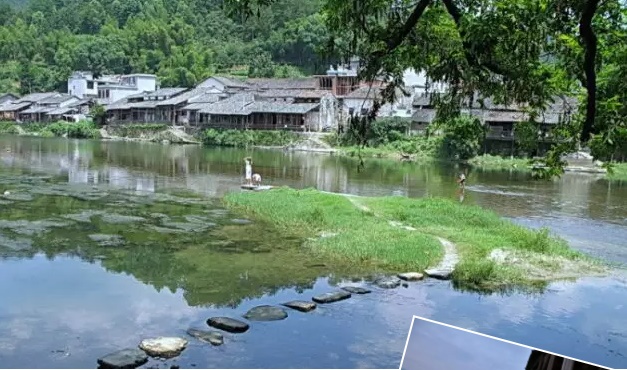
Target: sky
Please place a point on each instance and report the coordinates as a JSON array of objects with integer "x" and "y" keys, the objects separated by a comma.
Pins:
[{"x": 435, "y": 346}]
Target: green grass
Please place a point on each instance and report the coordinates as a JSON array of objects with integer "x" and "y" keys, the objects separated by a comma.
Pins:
[
  {"x": 619, "y": 172},
  {"x": 138, "y": 130},
  {"x": 365, "y": 236},
  {"x": 495, "y": 162},
  {"x": 361, "y": 237}
]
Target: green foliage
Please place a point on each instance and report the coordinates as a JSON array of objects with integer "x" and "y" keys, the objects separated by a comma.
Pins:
[
  {"x": 138, "y": 130},
  {"x": 78, "y": 130},
  {"x": 182, "y": 41},
  {"x": 463, "y": 136},
  {"x": 366, "y": 237},
  {"x": 244, "y": 138},
  {"x": 8, "y": 128}
]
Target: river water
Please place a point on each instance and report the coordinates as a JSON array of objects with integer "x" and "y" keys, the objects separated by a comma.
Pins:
[{"x": 103, "y": 244}]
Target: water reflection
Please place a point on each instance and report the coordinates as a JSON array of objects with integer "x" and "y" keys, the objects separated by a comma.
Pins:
[{"x": 165, "y": 278}]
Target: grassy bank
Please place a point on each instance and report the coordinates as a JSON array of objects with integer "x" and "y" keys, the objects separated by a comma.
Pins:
[
  {"x": 137, "y": 130},
  {"x": 494, "y": 252},
  {"x": 619, "y": 172}
]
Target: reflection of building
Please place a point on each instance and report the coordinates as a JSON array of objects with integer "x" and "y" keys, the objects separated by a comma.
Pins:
[{"x": 545, "y": 361}]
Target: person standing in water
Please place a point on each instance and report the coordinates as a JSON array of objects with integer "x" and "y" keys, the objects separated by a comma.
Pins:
[
  {"x": 462, "y": 180},
  {"x": 249, "y": 171}
]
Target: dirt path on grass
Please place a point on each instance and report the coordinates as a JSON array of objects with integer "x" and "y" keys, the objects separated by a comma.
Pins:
[{"x": 445, "y": 268}]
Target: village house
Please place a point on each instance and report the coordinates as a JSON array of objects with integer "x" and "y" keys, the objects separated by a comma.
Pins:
[
  {"x": 142, "y": 107},
  {"x": 361, "y": 101},
  {"x": 224, "y": 84},
  {"x": 11, "y": 110},
  {"x": 107, "y": 89},
  {"x": 249, "y": 111},
  {"x": 500, "y": 119}
]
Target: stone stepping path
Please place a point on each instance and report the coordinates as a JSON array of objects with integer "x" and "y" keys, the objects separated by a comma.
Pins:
[
  {"x": 266, "y": 313},
  {"x": 212, "y": 337},
  {"x": 302, "y": 306},
  {"x": 444, "y": 270},
  {"x": 228, "y": 324},
  {"x": 332, "y": 297}
]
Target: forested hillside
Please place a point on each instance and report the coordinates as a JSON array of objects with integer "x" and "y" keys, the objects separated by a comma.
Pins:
[{"x": 182, "y": 41}]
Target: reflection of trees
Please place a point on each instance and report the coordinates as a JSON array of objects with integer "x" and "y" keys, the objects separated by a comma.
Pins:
[{"x": 545, "y": 361}]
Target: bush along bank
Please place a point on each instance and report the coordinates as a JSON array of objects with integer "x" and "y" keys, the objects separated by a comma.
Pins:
[
  {"x": 76, "y": 130},
  {"x": 396, "y": 234},
  {"x": 245, "y": 138}
]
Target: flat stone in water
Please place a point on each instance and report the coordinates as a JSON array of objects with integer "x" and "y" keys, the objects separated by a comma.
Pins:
[
  {"x": 387, "y": 282},
  {"x": 228, "y": 324},
  {"x": 165, "y": 347},
  {"x": 239, "y": 221},
  {"x": 125, "y": 359},
  {"x": 439, "y": 274},
  {"x": 302, "y": 306},
  {"x": 115, "y": 218},
  {"x": 107, "y": 240},
  {"x": 211, "y": 337},
  {"x": 411, "y": 276},
  {"x": 331, "y": 297},
  {"x": 356, "y": 290},
  {"x": 266, "y": 313}
]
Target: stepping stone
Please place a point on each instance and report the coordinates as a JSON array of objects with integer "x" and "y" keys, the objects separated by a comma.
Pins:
[
  {"x": 388, "y": 282},
  {"x": 439, "y": 274},
  {"x": 266, "y": 313},
  {"x": 302, "y": 306},
  {"x": 411, "y": 276},
  {"x": 130, "y": 358},
  {"x": 356, "y": 290},
  {"x": 165, "y": 347},
  {"x": 212, "y": 337},
  {"x": 331, "y": 297},
  {"x": 228, "y": 324}
]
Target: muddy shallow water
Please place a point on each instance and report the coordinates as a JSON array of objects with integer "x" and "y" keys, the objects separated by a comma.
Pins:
[{"x": 105, "y": 244}]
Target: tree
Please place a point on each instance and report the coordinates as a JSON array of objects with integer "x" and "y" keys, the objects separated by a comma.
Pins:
[{"x": 523, "y": 51}]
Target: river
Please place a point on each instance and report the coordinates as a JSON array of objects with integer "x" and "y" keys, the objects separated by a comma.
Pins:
[{"x": 103, "y": 244}]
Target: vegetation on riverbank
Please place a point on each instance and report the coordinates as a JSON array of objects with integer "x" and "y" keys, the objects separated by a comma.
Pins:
[
  {"x": 76, "y": 130},
  {"x": 137, "y": 130},
  {"x": 619, "y": 172},
  {"x": 494, "y": 252},
  {"x": 245, "y": 138},
  {"x": 495, "y": 162}
]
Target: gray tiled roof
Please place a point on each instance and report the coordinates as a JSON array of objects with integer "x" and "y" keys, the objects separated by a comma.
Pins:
[
  {"x": 184, "y": 97},
  {"x": 13, "y": 106},
  {"x": 285, "y": 108},
  {"x": 235, "y": 105},
  {"x": 306, "y": 83},
  {"x": 34, "y": 110},
  {"x": 292, "y": 93},
  {"x": 364, "y": 92},
  {"x": 60, "y": 111},
  {"x": 56, "y": 99},
  {"x": 196, "y": 106},
  {"x": 35, "y": 97},
  {"x": 231, "y": 82}
]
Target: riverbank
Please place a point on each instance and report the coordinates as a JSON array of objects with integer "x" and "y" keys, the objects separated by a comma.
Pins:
[{"x": 397, "y": 234}]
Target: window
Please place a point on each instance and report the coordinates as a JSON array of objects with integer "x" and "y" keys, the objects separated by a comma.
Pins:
[{"x": 90, "y": 84}]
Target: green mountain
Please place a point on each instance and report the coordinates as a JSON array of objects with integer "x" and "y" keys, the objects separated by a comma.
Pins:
[{"x": 182, "y": 41}]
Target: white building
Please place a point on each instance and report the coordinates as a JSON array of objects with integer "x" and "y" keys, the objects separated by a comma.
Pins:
[{"x": 109, "y": 88}]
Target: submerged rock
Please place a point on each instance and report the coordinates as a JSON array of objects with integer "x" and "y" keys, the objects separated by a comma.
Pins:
[
  {"x": 107, "y": 240},
  {"x": 411, "y": 276},
  {"x": 356, "y": 290},
  {"x": 211, "y": 337},
  {"x": 163, "y": 346},
  {"x": 332, "y": 297},
  {"x": 387, "y": 282},
  {"x": 441, "y": 274},
  {"x": 228, "y": 324},
  {"x": 115, "y": 218},
  {"x": 302, "y": 306},
  {"x": 265, "y": 313},
  {"x": 241, "y": 221},
  {"x": 125, "y": 359}
]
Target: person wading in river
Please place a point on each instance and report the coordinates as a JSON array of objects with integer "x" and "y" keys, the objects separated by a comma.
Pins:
[
  {"x": 462, "y": 180},
  {"x": 249, "y": 171}
]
